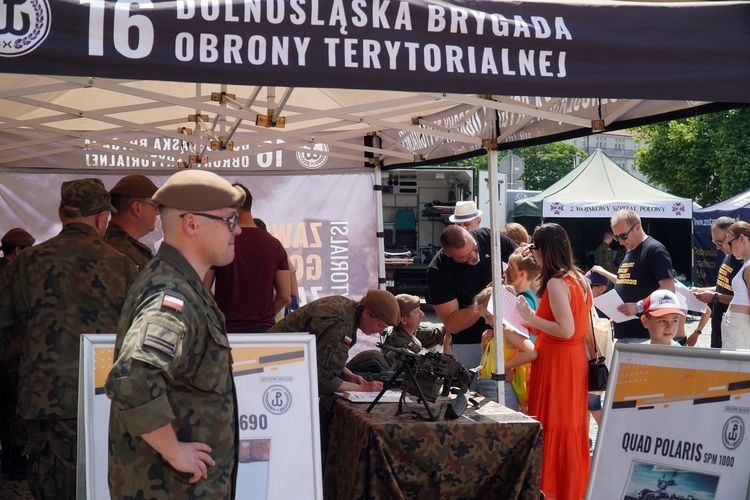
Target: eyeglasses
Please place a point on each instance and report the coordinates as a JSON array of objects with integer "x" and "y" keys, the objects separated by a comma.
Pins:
[
  {"x": 720, "y": 243},
  {"x": 231, "y": 221},
  {"x": 624, "y": 236},
  {"x": 533, "y": 247},
  {"x": 155, "y": 206},
  {"x": 466, "y": 257},
  {"x": 729, "y": 243}
]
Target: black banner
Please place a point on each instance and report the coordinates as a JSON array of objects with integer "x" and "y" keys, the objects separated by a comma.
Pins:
[{"x": 698, "y": 51}]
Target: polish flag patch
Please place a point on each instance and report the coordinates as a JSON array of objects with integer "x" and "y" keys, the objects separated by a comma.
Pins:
[
  {"x": 347, "y": 340},
  {"x": 173, "y": 303}
]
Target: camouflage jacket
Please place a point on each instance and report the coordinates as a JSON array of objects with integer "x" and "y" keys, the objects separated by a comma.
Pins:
[
  {"x": 605, "y": 257},
  {"x": 173, "y": 365},
  {"x": 400, "y": 338},
  {"x": 334, "y": 323},
  {"x": 71, "y": 284},
  {"x": 136, "y": 251},
  {"x": 3, "y": 263}
]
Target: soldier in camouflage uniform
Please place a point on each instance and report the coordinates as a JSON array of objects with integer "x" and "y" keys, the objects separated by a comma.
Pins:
[
  {"x": 71, "y": 284},
  {"x": 13, "y": 434},
  {"x": 173, "y": 428},
  {"x": 135, "y": 218},
  {"x": 334, "y": 322},
  {"x": 13, "y": 243}
]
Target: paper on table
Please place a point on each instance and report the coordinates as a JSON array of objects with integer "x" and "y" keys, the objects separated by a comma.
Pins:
[
  {"x": 389, "y": 396},
  {"x": 687, "y": 298},
  {"x": 608, "y": 303}
]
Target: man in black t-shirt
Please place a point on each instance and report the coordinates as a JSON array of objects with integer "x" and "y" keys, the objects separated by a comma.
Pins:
[
  {"x": 460, "y": 270},
  {"x": 647, "y": 267},
  {"x": 720, "y": 295}
]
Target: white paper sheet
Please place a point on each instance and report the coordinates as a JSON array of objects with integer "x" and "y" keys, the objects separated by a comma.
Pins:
[
  {"x": 687, "y": 298},
  {"x": 608, "y": 303}
]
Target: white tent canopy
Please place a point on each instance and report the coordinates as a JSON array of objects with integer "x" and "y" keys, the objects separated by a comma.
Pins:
[{"x": 599, "y": 188}]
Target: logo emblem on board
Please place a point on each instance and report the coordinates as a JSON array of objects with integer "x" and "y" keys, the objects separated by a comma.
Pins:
[
  {"x": 24, "y": 24},
  {"x": 734, "y": 431},
  {"x": 312, "y": 157},
  {"x": 277, "y": 399}
]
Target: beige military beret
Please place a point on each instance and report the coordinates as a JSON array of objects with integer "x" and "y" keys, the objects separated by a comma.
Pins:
[
  {"x": 17, "y": 237},
  {"x": 198, "y": 190},
  {"x": 134, "y": 186},
  {"x": 407, "y": 303},
  {"x": 84, "y": 197},
  {"x": 382, "y": 304}
]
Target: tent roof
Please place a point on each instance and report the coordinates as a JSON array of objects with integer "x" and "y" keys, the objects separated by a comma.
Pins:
[
  {"x": 597, "y": 180},
  {"x": 355, "y": 84},
  {"x": 728, "y": 206}
]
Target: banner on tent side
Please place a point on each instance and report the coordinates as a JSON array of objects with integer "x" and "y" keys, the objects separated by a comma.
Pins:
[
  {"x": 588, "y": 209},
  {"x": 323, "y": 222},
  {"x": 268, "y": 370},
  {"x": 139, "y": 153},
  {"x": 523, "y": 48},
  {"x": 675, "y": 425}
]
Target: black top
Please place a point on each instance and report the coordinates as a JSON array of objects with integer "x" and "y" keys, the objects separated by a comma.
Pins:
[{"x": 449, "y": 280}]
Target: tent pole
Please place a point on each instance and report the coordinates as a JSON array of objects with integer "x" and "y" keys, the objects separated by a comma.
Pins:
[
  {"x": 378, "y": 189},
  {"x": 497, "y": 216}
]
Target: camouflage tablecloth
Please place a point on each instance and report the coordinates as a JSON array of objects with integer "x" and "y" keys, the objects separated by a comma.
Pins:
[{"x": 492, "y": 452}]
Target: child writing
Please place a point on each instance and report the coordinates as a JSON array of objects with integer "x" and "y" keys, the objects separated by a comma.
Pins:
[
  {"x": 661, "y": 317},
  {"x": 518, "y": 350}
]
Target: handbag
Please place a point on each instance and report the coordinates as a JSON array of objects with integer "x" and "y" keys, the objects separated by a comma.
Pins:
[{"x": 598, "y": 372}]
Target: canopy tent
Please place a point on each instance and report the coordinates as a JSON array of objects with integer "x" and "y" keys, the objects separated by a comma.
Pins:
[
  {"x": 300, "y": 86},
  {"x": 309, "y": 86},
  {"x": 597, "y": 189},
  {"x": 707, "y": 257}
]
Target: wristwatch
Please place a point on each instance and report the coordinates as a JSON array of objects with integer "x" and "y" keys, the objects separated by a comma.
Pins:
[{"x": 639, "y": 307}]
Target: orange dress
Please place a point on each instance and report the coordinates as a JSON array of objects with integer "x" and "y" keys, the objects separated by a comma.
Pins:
[{"x": 558, "y": 397}]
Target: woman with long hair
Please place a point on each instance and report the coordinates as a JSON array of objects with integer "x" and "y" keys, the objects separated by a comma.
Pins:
[
  {"x": 558, "y": 388},
  {"x": 735, "y": 327}
]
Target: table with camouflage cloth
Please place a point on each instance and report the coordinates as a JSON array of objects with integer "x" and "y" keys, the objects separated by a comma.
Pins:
[{"x": 492, "y": 452}]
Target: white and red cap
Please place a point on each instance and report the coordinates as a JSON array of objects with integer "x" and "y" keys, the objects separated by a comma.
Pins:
[{"x": 661, "y": 303}]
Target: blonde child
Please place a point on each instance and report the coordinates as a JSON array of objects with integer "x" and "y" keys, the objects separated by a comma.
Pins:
[
  {"x": 518, "y": 350},
  {"x": 661, "y": 317}
]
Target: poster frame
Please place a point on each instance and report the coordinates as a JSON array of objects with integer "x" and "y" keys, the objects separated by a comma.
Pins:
[{"x": 92, "y": 474}]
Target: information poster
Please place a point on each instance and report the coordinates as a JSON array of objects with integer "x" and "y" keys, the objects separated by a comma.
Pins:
[
  {"x": 277, "y": 393},
  {"x": 674, "y": 425}
]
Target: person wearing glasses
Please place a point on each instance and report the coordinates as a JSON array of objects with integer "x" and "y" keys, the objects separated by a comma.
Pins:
[
  {"x": 735, "y": 329},
  {"x": 256, "y": 284},
  {"x": 135, "y": 218},
  {"x": 647, "y": 266},
  {"x": 173, "y": 429},
  {"x": 461, "y": 269},
  {"x": 720, "y": 296}
]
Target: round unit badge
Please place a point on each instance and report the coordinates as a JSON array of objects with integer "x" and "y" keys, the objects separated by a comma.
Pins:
[
  {"x": 277, "y": 399},
  {"x": 24, "y": 24},
  {"x": 734, "y": 431}
]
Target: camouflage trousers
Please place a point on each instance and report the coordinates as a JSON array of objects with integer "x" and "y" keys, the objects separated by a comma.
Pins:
[{"x": 52, "y": 458}]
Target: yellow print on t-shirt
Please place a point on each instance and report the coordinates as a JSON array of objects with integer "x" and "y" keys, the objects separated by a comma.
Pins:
[
  {"x": 623, "y": 274},
  {"x": 722, "y": 279}
]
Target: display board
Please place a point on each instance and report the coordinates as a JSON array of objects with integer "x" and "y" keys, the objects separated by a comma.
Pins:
[
  {"x": 674, "y": 425},
  {"x": 277, "y": 395}
]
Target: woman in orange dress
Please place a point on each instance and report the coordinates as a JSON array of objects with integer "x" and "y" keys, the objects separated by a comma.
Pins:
[{"x": 559, "y": 382}]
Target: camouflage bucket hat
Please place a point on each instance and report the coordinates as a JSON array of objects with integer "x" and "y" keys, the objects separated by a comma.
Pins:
[{"x": 84, "y": 197}]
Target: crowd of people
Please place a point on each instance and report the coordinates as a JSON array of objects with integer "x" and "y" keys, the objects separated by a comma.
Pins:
[{"x": 172, "y": 312}]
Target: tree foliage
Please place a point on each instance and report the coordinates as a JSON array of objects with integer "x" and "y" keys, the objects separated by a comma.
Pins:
[
  {"x": 706, "y": 157},
  {"x": 544, "y": 165}
]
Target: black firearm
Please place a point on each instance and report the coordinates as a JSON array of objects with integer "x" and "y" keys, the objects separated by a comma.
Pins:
[{"x": 439, "y": 366}]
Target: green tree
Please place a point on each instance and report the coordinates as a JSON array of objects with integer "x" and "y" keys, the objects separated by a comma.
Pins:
[
  {"x": 548, "y": 163},
  {"x": 706, "y": 157},
  {"x": 543, "y": 165}
]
